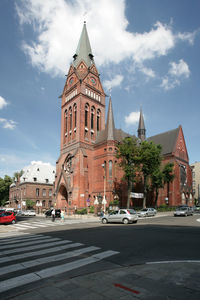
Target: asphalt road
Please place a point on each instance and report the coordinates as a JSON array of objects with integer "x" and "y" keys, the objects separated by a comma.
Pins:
[{"x": 151, "y": 240}]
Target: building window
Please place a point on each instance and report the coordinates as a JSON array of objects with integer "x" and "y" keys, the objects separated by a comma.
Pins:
[
  {"x": 92, "y": 118},
  {"x": 75, "y": 115},
  {"x": 50, "y": 192},
  {"x": 44, "y": 192},
  {"x": 34, "y": 179},
  {"x": 43, "y": 203},
  {"x": 98, "y": 120},
  {"x": 47, "y": 180},
  {"x": 37, "y": 192},
  {"x": 50, "y": 203},
  {"x": 70, "y": 118},
  {"x": 110, "y": 168},
  {"x": 86, "y": 115},
  {"x": 66, "y": 121}
]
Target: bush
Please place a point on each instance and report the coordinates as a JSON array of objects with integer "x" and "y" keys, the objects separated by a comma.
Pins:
[
  {"x": 165, "y": 207},
  {"x": 82, "y": 211},
  {"x": 91, "y": 210}
]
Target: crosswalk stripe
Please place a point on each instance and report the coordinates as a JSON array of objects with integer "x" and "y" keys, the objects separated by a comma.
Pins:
[
  {"x": 64, "y": 246},
  {"x": 23, "y": 239},
  {"x": 45, "y": 245},
  {"x": 52, "y": 271},
  {"x": 40, "y": 261},
  {"x": 27, "y": 243},
  {"x": 23, "y": 226},
  {"x": 17, "y": 236}
]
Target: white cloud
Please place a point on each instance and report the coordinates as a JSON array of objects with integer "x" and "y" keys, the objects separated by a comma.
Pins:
[
  {"x": 187, "y": 36},
  {"x": 177, "y": 72},
  {"x": 132, "y": 118},
  {"x": 169, "y": 83},
  {"x": 116, "y": 81},
  {"x": 179, "y": 69},
  {"x": 147, "y": 71},
  {"x": 3, "y": 102},
  {"x": 57, "y": 26},
  {"x": 8, "y": 124}
]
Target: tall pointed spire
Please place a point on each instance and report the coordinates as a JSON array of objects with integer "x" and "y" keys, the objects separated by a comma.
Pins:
[
  {"x": 141, "y": 127},
  {"x": 110, "y": 124},
  {"x": 83, "y": 51}
]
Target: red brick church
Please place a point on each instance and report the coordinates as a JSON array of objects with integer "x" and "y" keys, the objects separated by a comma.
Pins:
[{"x": 87, "y": 171}]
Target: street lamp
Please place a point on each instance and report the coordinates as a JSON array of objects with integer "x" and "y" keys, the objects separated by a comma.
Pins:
[{"x": 104, "y": 189}]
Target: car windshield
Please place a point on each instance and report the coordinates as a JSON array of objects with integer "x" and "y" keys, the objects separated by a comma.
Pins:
[
  {"x": 131, "y": 211},
  {"x": 144, "y": 209},
  {"x": 182, "y": 208}
]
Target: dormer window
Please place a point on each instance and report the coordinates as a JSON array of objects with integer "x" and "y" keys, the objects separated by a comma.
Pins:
[
  {"x": 47, "y": 180},
  {"x": 34, "y": 179},
  {"x": 38, "y": 169},
  {"x": 75, "y": 56}
]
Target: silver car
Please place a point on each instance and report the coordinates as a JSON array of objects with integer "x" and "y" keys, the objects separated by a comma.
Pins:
[
  {"x": 120, "y": 216},
  {"x": 147, "y": 212},
  {"x": 183, "y": 211}
]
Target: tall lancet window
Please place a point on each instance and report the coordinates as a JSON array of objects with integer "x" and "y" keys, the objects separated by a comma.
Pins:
[
  {"x": 70, "y": 118},
  {"x": 86, "y": 114},
  {"x": 66, "y": 121},
  {"x": 92, "y": 118},
  {"x": 98, "y": 119},
  {"x": 75, "y": 115},
  {"x": 110, "y": 168}
]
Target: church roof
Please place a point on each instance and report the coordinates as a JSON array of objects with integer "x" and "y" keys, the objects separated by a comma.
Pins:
[
  {"x": 83, "y": 51},
  {"x": 38, "y": 173},
  {"x": 166, "y": 139}
]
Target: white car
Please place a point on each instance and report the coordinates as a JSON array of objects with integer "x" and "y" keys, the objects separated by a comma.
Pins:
[
  {"x": 147, "y": 212},
  {"x": 29, "y": 213},
  {"x": 125, "y": 216}
]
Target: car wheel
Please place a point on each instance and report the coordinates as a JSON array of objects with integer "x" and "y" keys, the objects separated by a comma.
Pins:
[
  {"x": 13, "y": 222},
  {"x": 125, "y": 221},
  {"x": 104, "y": 221}
]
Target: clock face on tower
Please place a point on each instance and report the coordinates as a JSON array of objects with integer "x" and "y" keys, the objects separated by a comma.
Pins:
[{"x": 93, "y": 81}]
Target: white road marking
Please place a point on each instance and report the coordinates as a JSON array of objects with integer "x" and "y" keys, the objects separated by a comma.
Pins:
[
  {"x": 172, "y": 262},
  {"x": 27, "y": 243},
  {"x": 44, "y": 260},
  {"x": 23, "y": 239},
  {"x": 40, "y": 252},
  {"x": 52, "y": 271},
  {"x": 44, "y": 245},
  {"x": 23, "y": 226}
]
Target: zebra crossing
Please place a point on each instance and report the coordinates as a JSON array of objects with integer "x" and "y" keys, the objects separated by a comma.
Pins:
[
  {"x": 26, "y": 259},
  {"x": 32, "y": 224}
]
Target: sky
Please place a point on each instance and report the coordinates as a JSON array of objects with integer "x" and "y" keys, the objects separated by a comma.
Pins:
[{"x": 147, "y": 53}]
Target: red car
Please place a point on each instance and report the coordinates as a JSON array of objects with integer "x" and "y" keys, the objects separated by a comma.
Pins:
[{"x": 7, "y": 217}]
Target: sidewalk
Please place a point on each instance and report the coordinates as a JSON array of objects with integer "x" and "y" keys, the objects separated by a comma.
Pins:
[{"x": 172, "y": 281}]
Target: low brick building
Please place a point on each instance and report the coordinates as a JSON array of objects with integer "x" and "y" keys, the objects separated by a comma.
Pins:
[{"x": 36, "y": 184}]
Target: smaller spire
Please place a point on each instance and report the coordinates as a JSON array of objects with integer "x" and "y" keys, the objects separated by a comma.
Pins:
[
  {"x": 141, "y": 127},
  {"x": 110, "y": 124}
]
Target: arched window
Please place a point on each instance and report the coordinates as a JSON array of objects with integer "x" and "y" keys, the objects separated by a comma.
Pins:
[
  {"x": 70, "y": 118},
  {"x": 75, "y": 115},
  {"x": 110, "y": 168},
  {"x": 66, "y": 121},
  {"x": 98, "y": 119},
  {"x": 86, "y": 114},
  {"x": 92, "y": 117}
]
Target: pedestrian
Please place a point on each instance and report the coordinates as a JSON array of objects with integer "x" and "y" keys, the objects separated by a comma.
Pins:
[
  {"x": 53, "y": 214},
  {"x": 62, "y": 216}
]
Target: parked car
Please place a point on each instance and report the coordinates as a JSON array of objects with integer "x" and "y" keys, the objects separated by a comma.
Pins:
[
  {"x": 31, "y": 213},
  {"x": 7, "y": 217},
  {"x": 147, "y": 212},
  {"x": 183, "y": 211},
  {"x": 120, "y": 216},
  {"x": 57, "y": 215}
]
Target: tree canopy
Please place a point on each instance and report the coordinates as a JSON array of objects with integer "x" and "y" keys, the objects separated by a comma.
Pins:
[{"x": 4, "y": 189}]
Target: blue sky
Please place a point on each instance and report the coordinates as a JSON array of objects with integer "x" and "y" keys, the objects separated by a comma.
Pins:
[{"x": 146, "y": 51}]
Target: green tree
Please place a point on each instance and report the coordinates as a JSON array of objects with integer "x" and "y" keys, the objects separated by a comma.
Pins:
[
  {"x": 128, "y": 154},
  {"x": 4, "y": 189},
  {"x": 150, "y": 160},
  {"x": 29, "y": 203},
  {"x": 17, "y": 175},
  {"x": 168, "y": 175},
  {"x": 157, "y": 182}
]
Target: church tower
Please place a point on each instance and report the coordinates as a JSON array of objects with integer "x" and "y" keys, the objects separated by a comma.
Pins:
[{"x": 82, "y": 117}]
